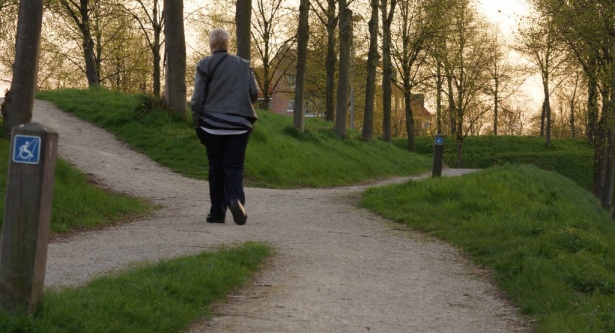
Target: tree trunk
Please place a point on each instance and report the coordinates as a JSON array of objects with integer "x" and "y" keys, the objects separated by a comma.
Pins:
[
  {"x": 243, "y": 21},
  {"x": 459, "y": 143},
  {"x": 542, "y": 120},
  {"x": 331, "y": 61},
  {"x": 175, "y": 49},
  {"x": 387, "y": 70},
  {"x": 573, "y": 131},
  {"x": 98, "y": 55},
  {"x": 157, "y": 59},
  {"x": 452, "y": 110},
  {"x": 303, "y": 34},
  {"x": 344, "y": 68},
  {"x": 592, "y": 111},
  {"x": 547, "y": 113},
  {"x": 496, "y": 105},
  {"x": 599, "y": 162},
  {"x": 459, "y": 135},
  {"x": 157, "y": 26},
  {"x": 19, "y": 104},
  {"x": 601, "y": 151},
  {"x": 439, "y": 97},
  {"x": 370, "y": 85},
  {"x": 409, "y": 120},
  {"x": 607, "y": 186},
  {"x": 595, "y": 137},
  {"x": 91, "y": 71}
]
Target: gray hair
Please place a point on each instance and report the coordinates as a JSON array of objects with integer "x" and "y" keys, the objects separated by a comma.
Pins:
[{"x": 219, "y": 40}]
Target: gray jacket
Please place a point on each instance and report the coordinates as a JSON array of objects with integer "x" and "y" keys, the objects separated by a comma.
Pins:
[{"x": 232, "y": 88}]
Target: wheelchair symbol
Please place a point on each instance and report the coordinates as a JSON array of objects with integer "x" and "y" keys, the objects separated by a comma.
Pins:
[
  {"x": 24, "y": 152},
  {"x": 26, "y": 149}
]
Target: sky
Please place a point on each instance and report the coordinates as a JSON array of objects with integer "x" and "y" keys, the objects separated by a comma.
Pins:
[{"x": 504, "y": 13}]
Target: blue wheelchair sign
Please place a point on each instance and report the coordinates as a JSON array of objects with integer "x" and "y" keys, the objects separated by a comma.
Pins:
[
  {"x": 26, "y": 149},
  {"x": 439, "y": 141}
]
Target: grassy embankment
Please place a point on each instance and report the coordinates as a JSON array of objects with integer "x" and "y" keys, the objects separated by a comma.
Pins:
[
  {"x": 278, "y": 155},
  {"x": 545, "y": 237}
]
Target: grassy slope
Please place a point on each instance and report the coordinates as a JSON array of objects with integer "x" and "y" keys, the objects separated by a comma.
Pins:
[
  {"x": 548, "y": 241},
  {"x": 570, "y": 158},
  {"x": 278, "y": 155}
]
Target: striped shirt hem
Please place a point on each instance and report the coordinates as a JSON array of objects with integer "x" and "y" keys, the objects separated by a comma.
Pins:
[{"x": 223, "y": 121}]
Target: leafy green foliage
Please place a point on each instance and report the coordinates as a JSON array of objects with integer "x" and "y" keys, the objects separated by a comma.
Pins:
[
  {"x": 158, "y": 297},
  {"x": 548, "y": 241}
]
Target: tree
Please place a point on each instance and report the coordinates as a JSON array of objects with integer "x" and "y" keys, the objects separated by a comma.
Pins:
[
  {"x": 243, "y": 15},
  {"x": 538, "y": 42},
  {"x": 122, "y": 58},
  {"x": 387, "y": 67},
  {"x": 80, "y": 14},
  {"x": 586, "y": 27},
  {"x": 328, "y": 17},
  {"x": 151, "y": 25},
  {"x": 345, "y": 32},
  {"x": 18, "y": 107},
  {"x": 504, "y": 76},
  {"x": 274, "y": 52},
  {"x": 126, "y": 60},
  {"x": 465, "y": 68},
  {"x": 415, "y": 34},
  {"x": 315, "y": 93},
  {"x": 303, "y": 33},
  {"x": 569, "y": 95},
  {"x": 175, "y": 51},
  {"x": 437, "y": 55},
  {"x": 372, "y": 64}
]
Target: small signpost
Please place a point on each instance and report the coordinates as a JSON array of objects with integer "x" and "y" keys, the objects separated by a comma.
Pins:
[
  {"x": 27, "y": 215},
  {"x": 438, "y": 151}
]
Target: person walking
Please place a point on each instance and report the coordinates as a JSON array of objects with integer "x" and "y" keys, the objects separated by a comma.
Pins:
[{"x": 223, "y": 114}]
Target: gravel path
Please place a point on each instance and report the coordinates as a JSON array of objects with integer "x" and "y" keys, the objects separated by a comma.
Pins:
[{"x": 338, "y": 268}]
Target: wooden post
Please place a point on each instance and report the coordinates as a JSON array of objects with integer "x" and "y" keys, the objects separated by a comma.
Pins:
[
  {"x": 27, "y": 216},
  {"x": 438, "y": 151}
]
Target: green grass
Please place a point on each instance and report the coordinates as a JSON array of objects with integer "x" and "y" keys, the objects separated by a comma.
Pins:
[
  {"x": 549, "y": 243},
  {"x": 568, "y": 157},
  {"x": 161, "y": 297},
  {"x": 278, "y": 155},
  {"x": 77, "y": 204}
]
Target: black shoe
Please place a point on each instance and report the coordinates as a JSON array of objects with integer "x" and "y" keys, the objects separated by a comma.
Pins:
[
  {"x": 239, "y": 213},
  {"x": 212, "y": 219}
]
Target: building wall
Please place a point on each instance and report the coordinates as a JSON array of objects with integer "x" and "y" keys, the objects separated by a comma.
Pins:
[
  {"x": 282, "y": 97},
  {"x": 280, "y": 103}
]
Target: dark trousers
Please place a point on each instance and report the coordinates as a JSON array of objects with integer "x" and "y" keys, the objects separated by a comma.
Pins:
[{"x": 226, "y": 155}]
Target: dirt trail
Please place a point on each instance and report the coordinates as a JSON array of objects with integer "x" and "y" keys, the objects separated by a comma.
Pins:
[{"x": 338, "y": 268}]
